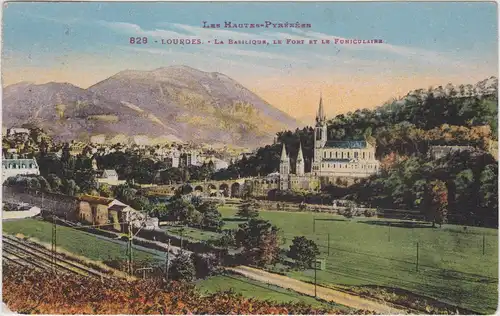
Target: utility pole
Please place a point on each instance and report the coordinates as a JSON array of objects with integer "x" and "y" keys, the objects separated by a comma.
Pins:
[
  {"x": 417, "y": 256},
  {"x": 315, "y": 279},
  {"x": 130, "y": 271},
  {"x": 389, "y": 232},
  {"x": 328, "y": 244},
  {"x": 167, "y": 262},
  {"x": 484, "y": 242},
  {"x": 314, "y": 225},
  {"x": 54, "y": 241},
  {"x": 182, "y": 236}
]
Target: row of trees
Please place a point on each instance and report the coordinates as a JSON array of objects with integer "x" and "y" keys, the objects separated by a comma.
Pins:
[
  {"x": 144, "y": 170},
  {"x": 191, "y": 211},
  {"x": 466, "y": 183}
]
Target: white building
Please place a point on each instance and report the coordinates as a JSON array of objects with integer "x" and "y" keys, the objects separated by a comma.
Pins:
[
  {"x": 110, "y": 175},
  {"x": 332, "y": 161},
  {"x": 350, "y": 159},
  {"x": 218, "y": 163},
  {"x": 18, "y": 131},
  {"x": 14, "y": 167}
]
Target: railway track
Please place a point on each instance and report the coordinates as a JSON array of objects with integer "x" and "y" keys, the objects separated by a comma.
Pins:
[{"x": 22, "y": 253}]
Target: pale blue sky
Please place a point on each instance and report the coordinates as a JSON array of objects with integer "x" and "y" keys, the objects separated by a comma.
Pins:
[{"x": 85, "y": 42}]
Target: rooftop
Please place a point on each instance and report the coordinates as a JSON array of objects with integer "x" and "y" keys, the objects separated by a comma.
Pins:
[
  {"x": 20, "y": 162},
  {"x": 95, "y": 199},
  {"x": 350, "y": 144},
  {"x": 336, "y": 160},
  {"x": 109, "y": 173}
]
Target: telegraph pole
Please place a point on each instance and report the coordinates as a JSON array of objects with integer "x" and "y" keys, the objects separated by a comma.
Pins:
[
  {"x": 328, "y": 244},
  {"x": 182, "y": 236},
  {"x": 484, "y": 242},
  {"x": 389, "y": 232},
  {"x": 417, "y": 256},
  {"x": 130, "y": 248},
  {"x": 54, "y": 243},
  {"x": 315, "y": 279},
  {"x": 167, "y": 262}
]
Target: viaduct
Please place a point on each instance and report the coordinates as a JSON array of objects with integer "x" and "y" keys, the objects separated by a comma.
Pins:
[{"x": 224, "y": 188}]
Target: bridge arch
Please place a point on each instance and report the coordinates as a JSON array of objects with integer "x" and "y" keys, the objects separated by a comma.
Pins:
[
  {"x": 235, "y": 189},
  {"x": 186, "y": 189},
  {"x": 198, "y": 188},
  {"x": 224, "y": 189},
  {"x": 211, "y": 189}
]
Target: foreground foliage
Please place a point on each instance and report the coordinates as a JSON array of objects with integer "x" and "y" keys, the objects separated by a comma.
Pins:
[{"x": 29, "y": 291}]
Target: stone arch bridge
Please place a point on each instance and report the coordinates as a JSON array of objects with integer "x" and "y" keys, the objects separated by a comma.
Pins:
[{"x": 223, "y": 188}]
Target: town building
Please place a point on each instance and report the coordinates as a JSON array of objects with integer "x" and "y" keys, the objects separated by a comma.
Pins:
[
  {"x": 334, "y": 162},
  {"x": 110, "y": 174},
  {"x": 218, "y": 163},
  {"x": 110, "y": 177},
  {"x": 18, "y": 131},
  {"x": 18, "y": 166},
  {"x": 189, "y": 158}
]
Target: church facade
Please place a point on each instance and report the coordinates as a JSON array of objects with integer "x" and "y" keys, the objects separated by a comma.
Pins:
[{"x": 334, "y": 162}]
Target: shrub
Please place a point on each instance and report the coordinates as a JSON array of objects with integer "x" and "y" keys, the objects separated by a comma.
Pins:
[{"x": 370, "y": 213}]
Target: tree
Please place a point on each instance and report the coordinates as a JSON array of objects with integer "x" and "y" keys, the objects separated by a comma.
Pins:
[
  {"x": 463, "y": 201},
  {"x": 139, "y": 202},
  {"x": 182, "y": 268},
  {"x": 124, "y": 193},
  {"x": 227, "y": 239},
  {"x": 180, "y": 208},
  {"x": 70, "y": 187},
  {"x": 436, "y": 202},
  {"x": 248, "y": 209},
  {"x": 303, "y": 251},
  {"x": 205, "y": 264},
  {"x": 55, "y": 182},
  {"x": 160, "y": 210},
  {"x": 260, "y": 241},
  {"x": 350, "y": 211},
  {"x": 212, "y": 220},
  {"x": 105, "y": 190},
  {"x": 488, "y": 194},
  {"x": 193, "y": 217}
]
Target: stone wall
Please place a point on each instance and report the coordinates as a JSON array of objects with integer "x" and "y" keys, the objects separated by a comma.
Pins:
[{"x": 59, "y": 204}]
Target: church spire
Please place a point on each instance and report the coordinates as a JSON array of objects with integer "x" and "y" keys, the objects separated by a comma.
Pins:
[
  {"x": 300, "y": 155},
  {"x": 320, "y": 116},
  {"x": 283, "y": 153},
  {"x": 299, "y": 170}
]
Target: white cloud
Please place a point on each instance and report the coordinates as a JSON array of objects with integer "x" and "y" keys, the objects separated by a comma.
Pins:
[
  {"x": 204, "y": 34},
  {"x": 393, "y": 56}
]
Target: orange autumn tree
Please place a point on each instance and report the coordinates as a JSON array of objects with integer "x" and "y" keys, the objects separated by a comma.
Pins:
[{"x": 436, "y": 202}]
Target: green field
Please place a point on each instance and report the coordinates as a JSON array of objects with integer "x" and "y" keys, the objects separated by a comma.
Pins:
[
  {"x": 259, "y": 290},
  {"x": 366, "y": 251},
  {"x": 193, "y": 233},
  {"x": 95, "y": 248},
  {"x": 75, "y": 241}
]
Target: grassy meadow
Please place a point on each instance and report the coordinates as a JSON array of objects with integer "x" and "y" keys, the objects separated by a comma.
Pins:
[
  {"x": 366, "y": 252},
  {"x": 78, "y": 242},
  {"x": 259, "y": 290},
  {"x": 453, "y": 264}
]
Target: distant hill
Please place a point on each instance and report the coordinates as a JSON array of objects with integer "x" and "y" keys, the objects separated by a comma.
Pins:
[{"x": 175, "y": 102}]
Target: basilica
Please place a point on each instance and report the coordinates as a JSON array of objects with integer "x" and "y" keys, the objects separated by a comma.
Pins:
[{"x": 334, "y": 162}]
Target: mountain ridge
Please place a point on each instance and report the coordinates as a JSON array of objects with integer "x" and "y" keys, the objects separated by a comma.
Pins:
[{"x": 179, "y": 101}]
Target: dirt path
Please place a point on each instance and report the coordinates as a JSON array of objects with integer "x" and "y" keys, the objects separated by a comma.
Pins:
[{"x": 322, "y": 292}]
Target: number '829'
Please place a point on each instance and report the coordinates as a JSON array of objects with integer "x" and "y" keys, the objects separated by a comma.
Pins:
[{"x": 138, "y": 40}]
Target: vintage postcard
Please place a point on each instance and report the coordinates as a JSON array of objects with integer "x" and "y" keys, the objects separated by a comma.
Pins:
[{"x": 250, "y": 157}]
